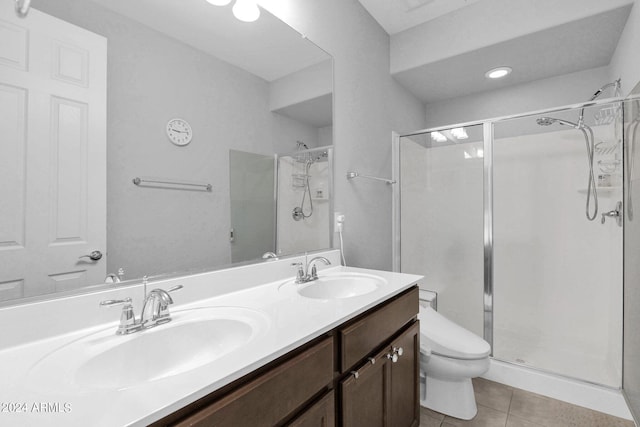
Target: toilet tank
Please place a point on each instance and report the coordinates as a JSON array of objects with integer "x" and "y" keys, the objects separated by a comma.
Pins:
[{"x": 428, "y": 298}]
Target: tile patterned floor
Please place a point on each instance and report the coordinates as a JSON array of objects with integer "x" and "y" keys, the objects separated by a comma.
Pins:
[{"x": 503, "y": 406}]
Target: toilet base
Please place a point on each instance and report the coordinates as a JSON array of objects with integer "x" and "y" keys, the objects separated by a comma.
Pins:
[{"x": 453, "y": 398}]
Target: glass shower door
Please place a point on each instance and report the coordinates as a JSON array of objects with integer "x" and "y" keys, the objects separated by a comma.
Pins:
[
  {"x": 557, "y": 263},
  {"x": 441, "y": 219}
]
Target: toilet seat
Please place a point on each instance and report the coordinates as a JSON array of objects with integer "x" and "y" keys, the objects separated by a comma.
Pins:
[{"x": 445, "y": 338}]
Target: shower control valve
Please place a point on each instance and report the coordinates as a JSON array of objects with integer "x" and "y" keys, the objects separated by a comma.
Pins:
[{"x": 615, "y": 213}]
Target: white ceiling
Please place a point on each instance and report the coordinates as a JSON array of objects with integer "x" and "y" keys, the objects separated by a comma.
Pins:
[
  {"x": 399, "y": 15},
  {"x": 267, "y": 47}
]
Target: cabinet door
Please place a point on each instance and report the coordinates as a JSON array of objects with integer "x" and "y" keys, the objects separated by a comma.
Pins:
[
  {"x": 365, "y": 400},
  {"x": 405, "y": 374},
  {"x": 386, "y": 393},
  {"x": 322, "y": 414}
]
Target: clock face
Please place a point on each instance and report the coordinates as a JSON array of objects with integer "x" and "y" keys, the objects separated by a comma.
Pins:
[{"x": 179, "y": 131}]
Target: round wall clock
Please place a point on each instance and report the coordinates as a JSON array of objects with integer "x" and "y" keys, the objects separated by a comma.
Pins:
[{"x": 179, "y": 131}]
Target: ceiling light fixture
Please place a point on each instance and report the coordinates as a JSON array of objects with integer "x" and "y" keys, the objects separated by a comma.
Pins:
[
  {"x": 246, "y": 10},
  {"x": 498, "y": 73},
  {"x": 219, "y": 2}
]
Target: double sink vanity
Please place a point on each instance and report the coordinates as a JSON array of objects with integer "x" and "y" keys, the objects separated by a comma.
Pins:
[{"x": 242, "y": 346}]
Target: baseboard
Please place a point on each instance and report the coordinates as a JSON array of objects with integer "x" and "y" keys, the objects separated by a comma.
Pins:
[{"x": 598, "y": 398}]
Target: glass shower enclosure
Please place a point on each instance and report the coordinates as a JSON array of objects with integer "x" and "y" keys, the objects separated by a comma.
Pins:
[{"x": 517, "y": 224}]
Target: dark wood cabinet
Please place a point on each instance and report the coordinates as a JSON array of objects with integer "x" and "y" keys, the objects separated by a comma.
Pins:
[
  {"x": 273, "y": 396},
  {"x": 369, "y": 332},
  {"x": 384, "y": 391},
  {"x": 355, "y": 376},
  {"x": 321, "y": 414},
  {"x": 364, "y": 397},
  {"x": 405, "y": 376}
]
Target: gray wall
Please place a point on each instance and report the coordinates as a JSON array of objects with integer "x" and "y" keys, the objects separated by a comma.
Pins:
[
  {"x": 151, "y": 79},
  {"x": 626, "y": 61},
  {"x": 368, "y": 106}
]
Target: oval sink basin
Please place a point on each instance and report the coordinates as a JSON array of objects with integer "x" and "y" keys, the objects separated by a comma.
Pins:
[
  {"x": 192, "y": 339},
  {"x": 339, "y": 286}
]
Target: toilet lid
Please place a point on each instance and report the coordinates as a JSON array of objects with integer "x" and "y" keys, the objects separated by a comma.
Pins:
[{"x": 448, "y": 339}]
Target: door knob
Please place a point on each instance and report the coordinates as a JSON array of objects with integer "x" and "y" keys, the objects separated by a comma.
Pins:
[{"x": 93, "y": 256}]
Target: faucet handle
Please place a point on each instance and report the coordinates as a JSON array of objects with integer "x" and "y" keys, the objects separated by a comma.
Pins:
[
  {"x": 128, "y": 322},
  {"x": 300, "y": 275},
  {"x": 114, "y": 302}
]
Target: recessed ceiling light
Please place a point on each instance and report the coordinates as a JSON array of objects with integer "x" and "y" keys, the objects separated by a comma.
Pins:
[
  {"x": 459, "y": 133},
  {"x": 498, "y": 73},
  {"x": 438, "y": 137}
]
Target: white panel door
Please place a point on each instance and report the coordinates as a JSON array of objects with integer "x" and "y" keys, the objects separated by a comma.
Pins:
[{"x": 52, "y": 154}]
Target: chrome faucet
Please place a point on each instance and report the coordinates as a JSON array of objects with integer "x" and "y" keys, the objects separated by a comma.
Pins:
[
  {"x": 308, "y": 272},
  {"x": 155, "y": 310}
]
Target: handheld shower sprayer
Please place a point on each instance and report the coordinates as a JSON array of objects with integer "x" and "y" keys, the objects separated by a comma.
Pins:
[{"x": 589, "y": 140}]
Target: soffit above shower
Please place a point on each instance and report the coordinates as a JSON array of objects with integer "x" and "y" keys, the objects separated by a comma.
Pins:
[{"x": 447, "y": 56}]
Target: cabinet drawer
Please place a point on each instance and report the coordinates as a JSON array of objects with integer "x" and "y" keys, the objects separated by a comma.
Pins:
[
  {"x": 273, "y": 396},
  {"x": 364, "y": 335}
]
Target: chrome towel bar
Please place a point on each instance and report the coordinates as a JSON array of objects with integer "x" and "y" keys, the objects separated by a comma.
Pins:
[
  {"x": 351, "y": 175},
  {"x": 174, "y": 184}
]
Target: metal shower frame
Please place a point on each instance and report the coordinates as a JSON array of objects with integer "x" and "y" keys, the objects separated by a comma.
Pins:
[{"x": 488, "y": 136}]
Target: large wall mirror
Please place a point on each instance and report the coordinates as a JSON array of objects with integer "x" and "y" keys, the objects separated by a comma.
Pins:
[{"x": 154, "y": 138}]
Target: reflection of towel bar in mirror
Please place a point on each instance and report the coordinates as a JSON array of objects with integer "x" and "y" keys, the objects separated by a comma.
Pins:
[
  {"x": 351, "y": 175},
  {"x": 190, "y": 185}
]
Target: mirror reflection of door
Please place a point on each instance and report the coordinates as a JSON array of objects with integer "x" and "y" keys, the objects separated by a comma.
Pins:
[
  {"x": 252, "y": 205},
  {"x": 52, "y": 154}
]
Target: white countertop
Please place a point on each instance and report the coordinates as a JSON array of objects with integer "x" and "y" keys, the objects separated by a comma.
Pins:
[{"x": 290, "y": 321}]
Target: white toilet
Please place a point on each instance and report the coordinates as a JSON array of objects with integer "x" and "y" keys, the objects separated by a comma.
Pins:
[{"x": 449, "y": 357}]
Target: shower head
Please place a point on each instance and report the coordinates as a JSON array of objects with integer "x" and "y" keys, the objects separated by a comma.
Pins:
[
  {"x": 548, "y": 121},
  {"x": 545, "y": 121}
]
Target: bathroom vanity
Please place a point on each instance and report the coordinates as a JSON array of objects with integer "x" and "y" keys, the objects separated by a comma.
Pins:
[
  {"x": 369, "y": 364},
  {"x": 245, "y": 346}
]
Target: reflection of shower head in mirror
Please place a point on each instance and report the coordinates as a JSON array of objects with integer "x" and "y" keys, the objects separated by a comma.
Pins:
[
  {"x": 22, "y": 7},
  {"x": 548, "y": 121}
]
